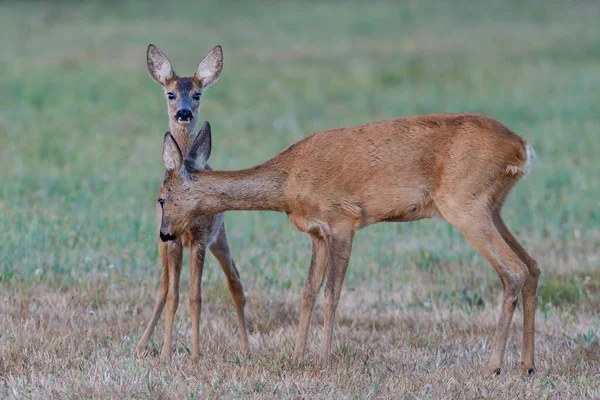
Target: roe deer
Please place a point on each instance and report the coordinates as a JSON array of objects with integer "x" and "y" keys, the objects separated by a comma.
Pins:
[
  {"x": 183, "y": 99},
  {"x": 458, "y": 166}
]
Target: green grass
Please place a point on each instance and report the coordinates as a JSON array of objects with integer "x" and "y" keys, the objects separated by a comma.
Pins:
[{"x": 81, "y": 128}]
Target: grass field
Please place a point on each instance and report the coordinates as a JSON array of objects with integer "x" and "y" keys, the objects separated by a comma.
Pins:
[{"x": 81, "y": 127}]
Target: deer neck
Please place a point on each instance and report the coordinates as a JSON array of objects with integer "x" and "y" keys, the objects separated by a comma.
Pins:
[
  {"x": 184, "y": 134},
  {"x": 258, "y": 188}
]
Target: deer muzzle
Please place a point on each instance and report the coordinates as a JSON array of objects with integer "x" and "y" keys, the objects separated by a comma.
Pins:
[{"x": 166, "y": 237}]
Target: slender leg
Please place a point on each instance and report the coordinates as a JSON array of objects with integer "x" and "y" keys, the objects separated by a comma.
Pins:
[
  {"x": 161, "y": 299},
  {"x": 340, "y": 247},
  {"x": 312, "y": 286},
  {"x": 175, "y": 254},
  {"x": 482, "y": 233},
  {"x": 220, "y": 249},
  {"x": 197, "y": 252},
  {"x": 528, "y": 291}
]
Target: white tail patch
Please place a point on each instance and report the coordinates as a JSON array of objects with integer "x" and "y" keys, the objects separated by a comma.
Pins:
[
  {"x": 530, "y": 153},
  {"x": 513, "y": 170},
  {"x": 523, "y": 169}
]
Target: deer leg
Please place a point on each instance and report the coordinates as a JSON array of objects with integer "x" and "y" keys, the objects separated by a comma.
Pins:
[
  {"x": 220, "y": 249},
  {"x": 529, "y": 299},
  {"x": 161, "y": 299},
  {"x": 340, "y": 247},
  {"x": 312, "y": 286},
  {"x": 482, "y": 233},
  {"x": 197, "y": 252},
  {"x": 175, "y": 255}
]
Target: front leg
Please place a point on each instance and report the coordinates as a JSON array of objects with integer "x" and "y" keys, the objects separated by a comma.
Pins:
[
  {"x": 197, "y": 252},
  {"x": 161, "y": 298},
  {"x": 340, "y": 247},
  {"x": 175, "y": 254},
  {"x": 312, "y": 286}
]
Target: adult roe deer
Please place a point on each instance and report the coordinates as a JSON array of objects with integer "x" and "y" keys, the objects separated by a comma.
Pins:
[
  {"x": 183, "y": 100},
  {"x": 458, "y": 166}
]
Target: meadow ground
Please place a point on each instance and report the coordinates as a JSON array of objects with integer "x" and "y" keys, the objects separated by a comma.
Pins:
[{"x": 81, "y": 127}]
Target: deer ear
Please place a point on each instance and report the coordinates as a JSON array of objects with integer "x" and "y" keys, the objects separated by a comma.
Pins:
[
  {"x": 200, "y": 151},
  {"x": 171, "y": 153},
  {"x": 210, "y": 67},
  {"x": 159, "y": 66}
]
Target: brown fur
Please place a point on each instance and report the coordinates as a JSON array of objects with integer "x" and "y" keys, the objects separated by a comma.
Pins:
[
  {"x": 457, "y": 166},
  {"x": 205, "y": 231}
]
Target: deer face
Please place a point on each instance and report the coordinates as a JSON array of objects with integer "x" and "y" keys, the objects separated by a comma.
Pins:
[
  {"x": 180, "y": 204},
  {"x": 183, "y": 99},
  {"x": 183, "y": 93},
  {"x": 173, "y": 221}
]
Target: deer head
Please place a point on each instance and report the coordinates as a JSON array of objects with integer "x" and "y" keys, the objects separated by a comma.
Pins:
[
  {"x": 184, "y": 93},
  {"x": 178, "y": 204}
]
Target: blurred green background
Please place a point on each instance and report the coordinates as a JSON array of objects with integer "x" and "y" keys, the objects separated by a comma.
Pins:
[{"x": 81, "y": 127}]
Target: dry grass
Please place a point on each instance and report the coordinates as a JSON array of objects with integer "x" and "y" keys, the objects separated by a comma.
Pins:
[{"x": 79, "y": 343}]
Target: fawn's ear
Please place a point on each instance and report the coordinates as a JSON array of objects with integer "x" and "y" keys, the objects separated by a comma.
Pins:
[
  {"x": 159, "y": 66},
  {"x": 210, "y": 67},
  {"x": 171, "y": 153},
  {"x": 200, "y": 151}
]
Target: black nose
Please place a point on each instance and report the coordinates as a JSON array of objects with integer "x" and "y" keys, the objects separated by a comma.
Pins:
[
  {"x": 184, "y": 114},
  {"x": 166, "y": 238}
]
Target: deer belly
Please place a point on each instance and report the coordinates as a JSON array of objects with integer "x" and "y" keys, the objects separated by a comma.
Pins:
[{"x": 411, "y": 206}]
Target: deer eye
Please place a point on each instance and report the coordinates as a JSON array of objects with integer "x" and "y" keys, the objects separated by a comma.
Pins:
[
  {"x": 196, "y": 96},
  {"x": 161, "y": 202},
  {"x": 171, "y": 96}
]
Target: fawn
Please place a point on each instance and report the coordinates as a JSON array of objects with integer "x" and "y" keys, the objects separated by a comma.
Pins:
[
  {"x": 183, "y": 100},
  {"x": 457, "y": 166}
]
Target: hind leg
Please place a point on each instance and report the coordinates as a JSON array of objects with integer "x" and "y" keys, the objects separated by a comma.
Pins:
[
  {"x": 220, "y": 249},
  {"x": 529, "y": 296},
  {"x": 479, "y": 229}
]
